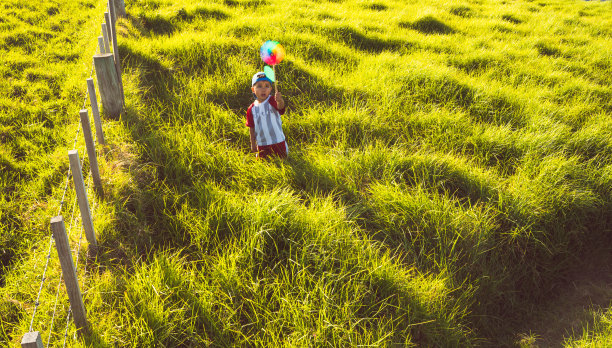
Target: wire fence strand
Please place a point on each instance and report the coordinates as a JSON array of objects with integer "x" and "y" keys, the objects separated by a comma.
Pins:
[
  {"x": 62, "y": 202},
  {"x": 73, "y": 219},
  {"x": 67, "y": 324}
]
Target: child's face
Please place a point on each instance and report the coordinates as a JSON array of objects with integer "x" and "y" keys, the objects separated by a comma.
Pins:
[{"x": 262, "y": 90}]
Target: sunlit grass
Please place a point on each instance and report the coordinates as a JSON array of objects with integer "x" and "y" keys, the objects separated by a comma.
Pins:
[{"x": 448, "y": 164}]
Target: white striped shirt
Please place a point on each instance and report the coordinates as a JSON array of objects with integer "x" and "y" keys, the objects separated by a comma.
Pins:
[{"x": 267, "y": 122}]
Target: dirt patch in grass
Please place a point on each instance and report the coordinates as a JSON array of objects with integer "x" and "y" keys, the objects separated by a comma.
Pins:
[{"x": 573, "y": 307}]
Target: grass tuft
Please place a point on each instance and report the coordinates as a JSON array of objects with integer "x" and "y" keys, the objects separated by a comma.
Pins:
[
  {"x": 462, "y": 11},
  {"x": 548, "y": 49},
  {"x": 359, "y": 40},
  {"x": 158, "y": 24},
  {"x": 508, "y": 17},
  {"x": 429, "y": 25},
  {"x": 377, "y": 7}
]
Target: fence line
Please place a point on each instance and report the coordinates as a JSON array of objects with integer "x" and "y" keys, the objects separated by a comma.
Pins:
[
  {"x": 51, "y": 239},
  {"x": 31, "y": 338}
]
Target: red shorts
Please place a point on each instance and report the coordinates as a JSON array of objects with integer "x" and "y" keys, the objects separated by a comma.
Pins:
[{"x": 278, "y": 149}]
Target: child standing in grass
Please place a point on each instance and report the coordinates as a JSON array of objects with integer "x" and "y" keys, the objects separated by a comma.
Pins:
[{"x": 264, "y": 119}]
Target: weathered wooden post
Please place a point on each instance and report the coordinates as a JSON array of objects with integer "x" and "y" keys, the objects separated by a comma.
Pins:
[
  {"x": 32, "y": 340},
  {"x": 91, "y": 152},
  {"x": 101, "y": 44},
  {"x": 119, "y": 8},
  {"x": 111, "y": 7},
  {"x": 108, "y": 85},
  {"x": 69, "y": 272},
  {"x": 93, "y": 100},
  {"x": 108, "y": 25},
  {"x": 112, "y": 21},
  {"x": 105, "y": 37},
  {"x": 79, "y": 187},
  {"x": 110, "y": 4}
]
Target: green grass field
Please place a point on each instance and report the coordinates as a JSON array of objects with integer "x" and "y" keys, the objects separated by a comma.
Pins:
[{"x": 450, "y": 166}]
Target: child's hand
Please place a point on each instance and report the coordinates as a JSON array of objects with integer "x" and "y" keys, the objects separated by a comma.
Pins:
[{"x": 279, "y": 100}]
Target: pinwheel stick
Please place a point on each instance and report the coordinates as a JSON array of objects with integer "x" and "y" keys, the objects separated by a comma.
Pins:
[{"x": 275, "y": 79}]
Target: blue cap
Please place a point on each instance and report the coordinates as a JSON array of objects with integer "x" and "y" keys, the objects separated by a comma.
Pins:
[{"x": 260, "y": 76}]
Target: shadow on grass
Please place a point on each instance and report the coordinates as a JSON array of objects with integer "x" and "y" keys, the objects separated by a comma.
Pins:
[
  {"x": 462, "y": 11},
  {"x": 143, "y": 207},
  {"x": 245, "y": 3},
  {"x": 476, "y": 63},
  {"x": 201, "y": 13},
  {"x": 548, "y": 49},
  {"x": 376, "y": 7},
  {"x": 157, "y": 24},
  {"x": 303, "y": 87},
  {"x": 428, "y": 25},
  {"x": 94, "y": 339},
  {"x": 508, "y": 17},
  {"x": 167, "y": 25},
  {"x": 356, "y": 39},
  {"x": 497, "y": 108},
  {"x": 245, "y": 31},
  {"x": 155, "y": 79},
  {"x": 314, "y": 50},
  {"x": 576, "y": 304},
  {"x": 313, "y": 180}
]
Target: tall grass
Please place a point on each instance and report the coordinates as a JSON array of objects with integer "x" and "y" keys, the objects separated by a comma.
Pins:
[
  {"x": 40, "y": 87},
  {"x": 449, "y": 163}
]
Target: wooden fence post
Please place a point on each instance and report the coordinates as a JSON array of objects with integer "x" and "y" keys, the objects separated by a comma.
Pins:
[
  {"x": 101, "y": 44},
  {"x": 95, "y": 112},
  {"x": 108, "y": 25},
  {"x": 113, "y": 17},
  {"x": 110, "y": 4},
  {"x": 91, "y": 152},
  {"x": 120, "y": 8},
  {"x": 105, "y": 37},
  {"x": 69, "y": 273},
  {"x": 32, "y": 340},
  {"x": 108, "y": 85},
  {"x": 79, "y": 187}
]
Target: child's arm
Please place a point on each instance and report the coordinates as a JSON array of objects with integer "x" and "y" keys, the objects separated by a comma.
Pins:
[
  {"x": 253, "y": 139},
  {"x": 251, "y": 125},
  {"x": 280, "y": 102}
]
